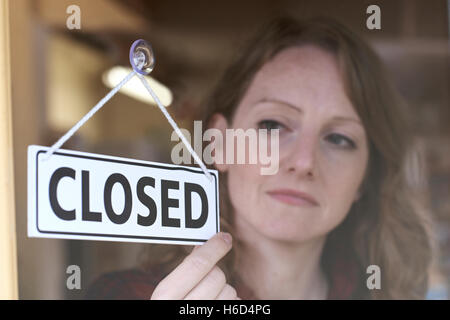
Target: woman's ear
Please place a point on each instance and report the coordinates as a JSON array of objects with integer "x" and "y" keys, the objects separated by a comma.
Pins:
[{"x": 220, "y": 124}]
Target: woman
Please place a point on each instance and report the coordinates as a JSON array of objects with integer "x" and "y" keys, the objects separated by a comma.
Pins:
[{"x": 340, "y": 201}]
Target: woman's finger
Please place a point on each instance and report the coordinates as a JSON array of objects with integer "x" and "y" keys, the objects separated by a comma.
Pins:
[
  {"x": 209, "y": 287},
  {"x": 227, "y": 293},
  {"x": 193, "y": 268}
]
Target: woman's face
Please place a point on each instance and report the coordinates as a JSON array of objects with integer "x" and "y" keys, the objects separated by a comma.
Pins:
[{"x": 323, "y": 150}]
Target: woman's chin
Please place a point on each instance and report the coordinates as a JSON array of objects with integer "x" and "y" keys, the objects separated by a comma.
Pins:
[
  {"x": 286, "y": 230},
  {"x": 279, "y": 223}
]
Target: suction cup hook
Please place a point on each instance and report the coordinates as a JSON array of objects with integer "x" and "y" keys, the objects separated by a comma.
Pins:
[{"x": 142, "y": 58}]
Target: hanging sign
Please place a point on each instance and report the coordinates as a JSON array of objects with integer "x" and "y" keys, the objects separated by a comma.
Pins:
[{"x": 78, "y": 195}]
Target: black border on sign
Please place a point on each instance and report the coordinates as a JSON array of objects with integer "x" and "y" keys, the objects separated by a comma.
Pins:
[{"x": 141, "y": 164}]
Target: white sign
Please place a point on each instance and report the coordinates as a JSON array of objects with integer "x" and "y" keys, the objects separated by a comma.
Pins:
[{"x": 78, "y": 195}]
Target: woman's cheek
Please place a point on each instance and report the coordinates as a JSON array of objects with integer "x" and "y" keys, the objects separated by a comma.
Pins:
[
  {"x": 342, "y": 172},
  {"x": 242, "y": 186}
]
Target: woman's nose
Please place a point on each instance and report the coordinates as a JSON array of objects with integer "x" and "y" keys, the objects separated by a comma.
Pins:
[{"x": 301, "y": 160}]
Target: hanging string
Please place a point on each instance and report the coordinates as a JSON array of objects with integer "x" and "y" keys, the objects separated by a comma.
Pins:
[
  {"x": 175, "y": 127},
  {"x": 110, "y": 94},
  {"x": 88, "y": 115}
]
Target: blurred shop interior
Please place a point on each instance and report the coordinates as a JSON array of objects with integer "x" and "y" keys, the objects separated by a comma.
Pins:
[{"x": 58, "y": 74}]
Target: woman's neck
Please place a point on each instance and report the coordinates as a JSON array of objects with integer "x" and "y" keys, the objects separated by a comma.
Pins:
[{"x": 281, "y": 270}]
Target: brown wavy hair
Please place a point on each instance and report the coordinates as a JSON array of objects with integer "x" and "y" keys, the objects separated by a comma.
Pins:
[{"x": 388, "y": 226}]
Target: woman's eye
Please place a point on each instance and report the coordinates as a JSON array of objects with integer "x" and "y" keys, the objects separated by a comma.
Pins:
[
  {"x": 341, "y": 141},
  {"x": 270, "y": 125}
]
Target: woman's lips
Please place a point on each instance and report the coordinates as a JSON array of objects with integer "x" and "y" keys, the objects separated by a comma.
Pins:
[{"x": 293, "y": 197}]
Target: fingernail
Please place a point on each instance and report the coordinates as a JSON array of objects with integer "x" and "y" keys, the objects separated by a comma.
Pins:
[{"x": 227, "y": 237}]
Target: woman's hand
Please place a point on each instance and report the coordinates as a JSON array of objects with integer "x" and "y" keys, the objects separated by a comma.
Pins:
[{"x": 198, "y": 277}]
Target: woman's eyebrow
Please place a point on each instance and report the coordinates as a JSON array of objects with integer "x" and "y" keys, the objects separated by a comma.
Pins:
[
  {"x": 264, "y": 100},
  {"x": 351, "y": 119},
  {"x": 298, "y": 109}
]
